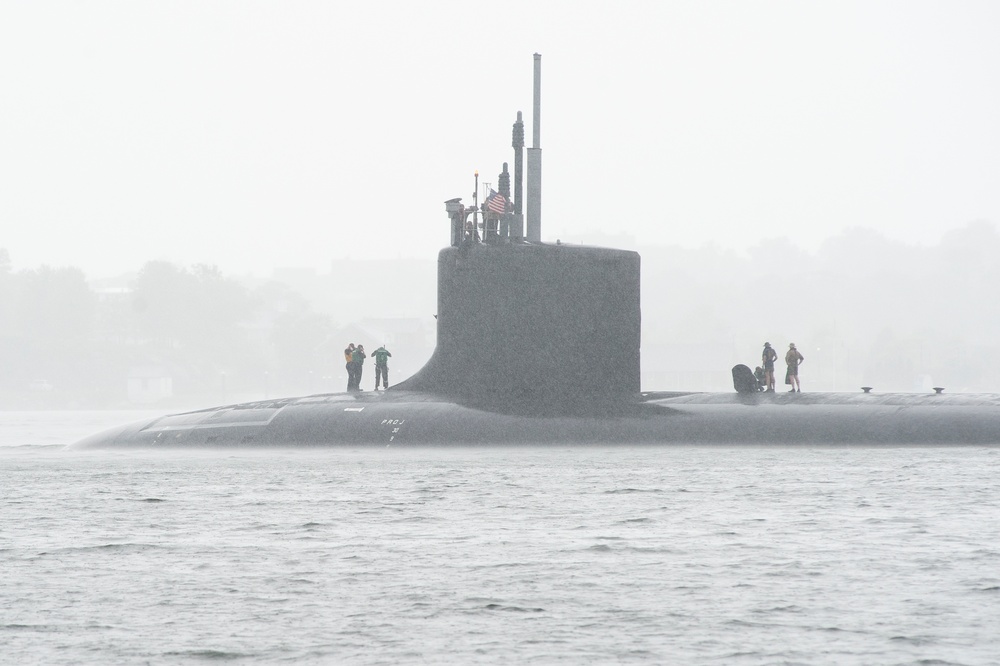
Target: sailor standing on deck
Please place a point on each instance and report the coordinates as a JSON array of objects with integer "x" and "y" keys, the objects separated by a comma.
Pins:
[
  {"x": 768, "y": 357},
  {"x": 792, "y": 359},
  {"x": 381, "y": 366},
  {"x": 357, "y": 360},
  {"x": 349, "y": 358}
]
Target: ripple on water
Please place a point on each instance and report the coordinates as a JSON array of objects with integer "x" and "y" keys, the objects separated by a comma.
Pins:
[
  {"x": 208, "y": 655},
  {"x": 512, "y": 609},
  {"x": 684, "y": 556},
  {"x": 117, "y": 548}
]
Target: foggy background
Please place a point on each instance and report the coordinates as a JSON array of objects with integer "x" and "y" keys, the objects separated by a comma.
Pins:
[{"x": 202, "y": 203}]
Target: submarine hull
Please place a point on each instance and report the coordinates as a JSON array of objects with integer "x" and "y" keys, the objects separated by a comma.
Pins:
[
  {"x": 405, "y": 418},
  {"x": 540, "y": 344}
]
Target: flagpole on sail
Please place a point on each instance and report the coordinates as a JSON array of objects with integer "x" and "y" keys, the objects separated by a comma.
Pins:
[{"x": 475, "y": 206}]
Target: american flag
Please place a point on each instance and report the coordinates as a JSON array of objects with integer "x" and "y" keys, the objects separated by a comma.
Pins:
[{"x": 496, "y": 202}]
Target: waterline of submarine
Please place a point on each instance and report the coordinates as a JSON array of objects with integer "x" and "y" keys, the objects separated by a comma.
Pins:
[{"x": 503, "y": 290}]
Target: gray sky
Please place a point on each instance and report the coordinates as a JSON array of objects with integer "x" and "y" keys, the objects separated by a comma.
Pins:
[{"x": 252, "y": 135}]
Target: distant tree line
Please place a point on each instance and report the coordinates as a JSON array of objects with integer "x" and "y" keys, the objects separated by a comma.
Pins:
[
  {"x": 863, "y": 309},
  {"x": 64, "y": 343}
]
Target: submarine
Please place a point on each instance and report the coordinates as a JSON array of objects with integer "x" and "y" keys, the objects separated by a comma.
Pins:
[{"x": 538, "y": 343}]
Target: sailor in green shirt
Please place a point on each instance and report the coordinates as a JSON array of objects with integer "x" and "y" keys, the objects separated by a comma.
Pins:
[
  {"x": 381, "y": 366},
  {"x": 357, "y": 362}
]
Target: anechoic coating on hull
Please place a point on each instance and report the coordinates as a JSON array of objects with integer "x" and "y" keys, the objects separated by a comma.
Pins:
[
  {"x": 535, "y": 328},
  {"x": 404, "y": 418}
]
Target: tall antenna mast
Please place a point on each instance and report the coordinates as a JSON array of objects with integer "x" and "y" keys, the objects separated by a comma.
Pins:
[{"x": 534, "y": 198}]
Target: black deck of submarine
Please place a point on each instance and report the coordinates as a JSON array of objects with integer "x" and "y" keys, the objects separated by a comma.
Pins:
[{"x": 403, "y": 418}]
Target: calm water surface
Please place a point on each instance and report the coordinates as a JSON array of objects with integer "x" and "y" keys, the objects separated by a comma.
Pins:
[{"x": 576, "y": 555}]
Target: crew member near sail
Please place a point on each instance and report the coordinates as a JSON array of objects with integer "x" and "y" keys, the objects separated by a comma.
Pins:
[
  {"x": 357, "y": 360},
  {"x": 381, "y": 366},
  {"x": 349, "y": 358},
  {"x": 768, "y": 357},
  {"x": 792, "y": 359}
]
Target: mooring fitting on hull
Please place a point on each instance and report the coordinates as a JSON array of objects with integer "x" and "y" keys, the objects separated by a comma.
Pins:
[
  {"x": 938, "y": 390},
  {"x": 866, "y": 389}
]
